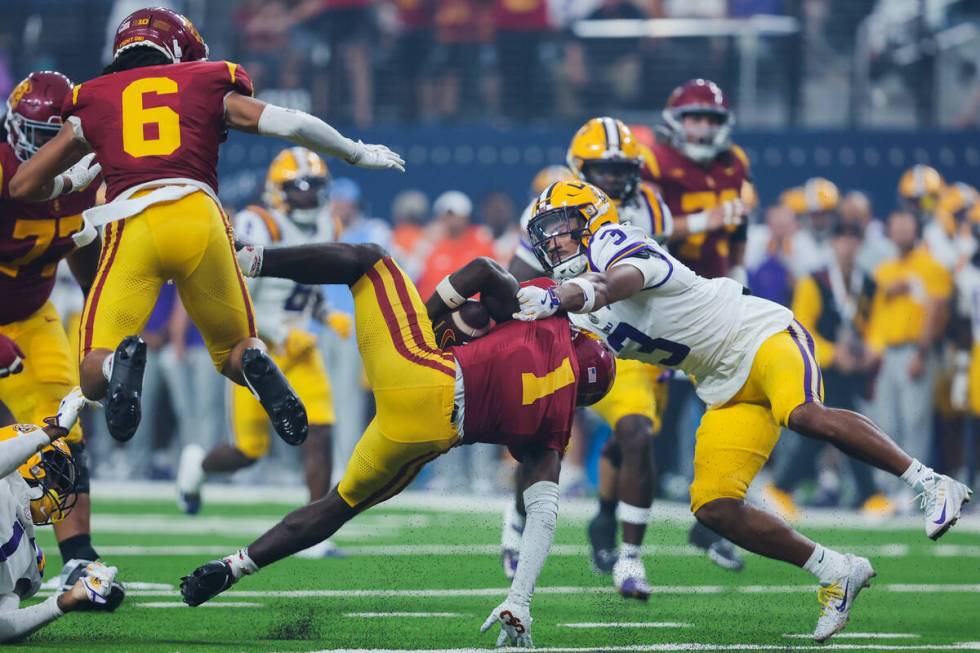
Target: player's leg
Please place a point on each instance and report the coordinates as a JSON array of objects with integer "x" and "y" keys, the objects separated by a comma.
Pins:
[
  {"x": 309, "y": 376},
  {"x": 602, "y": 529},
  {"x": 321, "y": 263},
  {"x": 213, "y": 291}
]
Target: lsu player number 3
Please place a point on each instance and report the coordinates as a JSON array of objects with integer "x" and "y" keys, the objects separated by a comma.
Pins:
[
  {"x": 155, "y": 119},
  {"x": 755, "y": 368},
  {"x": 515, "y": 387}
]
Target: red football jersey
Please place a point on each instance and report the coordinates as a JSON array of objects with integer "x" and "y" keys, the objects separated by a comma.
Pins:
[
  {"x": 520, "y": 383},
  {"x": 157, "y": 122},
  {"x": 690, "y": 188},
  {"x": 34, "y": 236}
]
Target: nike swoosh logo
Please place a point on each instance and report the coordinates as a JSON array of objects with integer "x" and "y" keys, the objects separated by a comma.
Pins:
[
  {"x": 822, "y": 554},
  {"x": 843, "y": 603},
  {"x": 942, "y": 517}
]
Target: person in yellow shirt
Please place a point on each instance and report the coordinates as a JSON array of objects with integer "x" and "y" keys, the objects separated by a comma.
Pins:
[
  {"x": 833, "y": 304},
  {"x": 908, "y": 315}
]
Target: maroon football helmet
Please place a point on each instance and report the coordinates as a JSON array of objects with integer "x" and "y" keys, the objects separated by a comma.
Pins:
[
  {"x": 162, "y": 29},
  {"x": 34, "y": 111},
  {"x": 596, "y": 368},
  {"x": 701, "y": 97}
]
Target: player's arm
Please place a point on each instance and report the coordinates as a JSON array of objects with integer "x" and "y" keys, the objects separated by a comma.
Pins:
[
  {"x": 725, "y": 214},
  {"x": 497, "y": 288},
  {"x": 247, "y": 114},
  {"x": 62, "y": 165},
  {"x": 14, "y": 452},
  {"x": 541, "y": 506}
]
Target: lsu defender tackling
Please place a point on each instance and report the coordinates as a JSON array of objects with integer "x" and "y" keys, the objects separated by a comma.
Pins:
[
  {"x": 515, "y": 386},
  {"x": 755, "y": 368},
  {"x": 294, "y": 212},
  {"x": 155, "y": 120}
]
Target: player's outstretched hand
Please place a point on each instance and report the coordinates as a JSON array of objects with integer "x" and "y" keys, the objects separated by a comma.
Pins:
[
  {"x": 70, "y": 407},
  {"x": 375, "y": 157},
  {"x": 249, "y": 259},
  {"x": 83, "y": 173},
  {"x": 515, "y": 624},
  {"x": 536, "y": 303},
  {"x": 95, "y": 584},
  {"x": 11, "y": 357}
]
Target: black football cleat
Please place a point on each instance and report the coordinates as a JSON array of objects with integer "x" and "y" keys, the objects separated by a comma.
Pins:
[
  {"x": 206, "y": 582},
  {"x": 719, "y": 550},
  {"x": 602, "y": 539},
  {"x": 122, "y": 404},
  {"x": 269, "y": 385}
]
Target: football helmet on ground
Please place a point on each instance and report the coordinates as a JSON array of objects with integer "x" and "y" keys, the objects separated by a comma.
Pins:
[{"x": 50, "y": 476}]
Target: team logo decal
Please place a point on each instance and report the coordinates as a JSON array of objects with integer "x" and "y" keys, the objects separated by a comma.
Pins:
[{"x": 22, "y": 89}]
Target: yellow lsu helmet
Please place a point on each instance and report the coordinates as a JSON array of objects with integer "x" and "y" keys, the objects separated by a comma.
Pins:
[
  {"x": 817, "y": 195},
  {"x": 50, "y": 475},
  {"x": 920, "y": 186},
  {"x": 300, "y": 169},
  {"x": 604, "y": 153},
  {"x": 575, "y": 209},
  {"x": 954, "y": 204},
  {"x": 547, "y": 176}
]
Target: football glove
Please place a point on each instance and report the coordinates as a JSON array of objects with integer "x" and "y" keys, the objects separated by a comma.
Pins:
[
  {"x": 70, "y": 407},
  {"x": 250, "y": 260},
  {"x": 83, "y": 173},
  {"x": 375, "y": 157},
  {"x": 342, "y": 323},
  {"x": 299, "y": 343},
  {"x": 536, "y": 303},
  {"x": 95, "y": 584},
  {"x": 515, "y": 624},
  {"x": 11, "y": 357}
]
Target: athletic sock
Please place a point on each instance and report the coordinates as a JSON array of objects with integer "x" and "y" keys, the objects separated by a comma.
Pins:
[
  {"x": 607, "y": 507},
  {"x": 241, "y": 564},
  {"x": 77, "y": 547},
  {"x": 627, "y": 550},
  {"x": 107, "y": 366},
  {"x": 916, "y": 474},
  {"x": 826, "y": 564}
]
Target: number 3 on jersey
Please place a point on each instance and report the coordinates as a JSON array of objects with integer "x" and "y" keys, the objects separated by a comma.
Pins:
[
  {"x": 153, "y": 131},
  {"x": 676, "y": 352}
]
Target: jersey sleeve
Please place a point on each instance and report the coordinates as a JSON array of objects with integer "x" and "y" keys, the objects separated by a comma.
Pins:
[
  {"x": 238, "y": 80},
  {"x": 620, "y": 244},
  {"x": 661, "y": 219},
  {"x": 70, "y": 104}
]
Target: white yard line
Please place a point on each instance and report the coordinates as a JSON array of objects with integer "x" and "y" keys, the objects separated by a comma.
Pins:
[
  {"x": 628, "y": 624},
  {"x": 643, "y": 648},
  {"x": 179, "y": 604},
  {"x": 368, "y": 526},
  {"x": 849, "y": 635},
  {"x": 383, "y": 615}
]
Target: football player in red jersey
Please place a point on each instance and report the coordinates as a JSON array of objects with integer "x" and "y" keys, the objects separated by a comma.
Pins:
[
  {"x": 701, "y": 174},
  {"x": 34, "y": 237},
  {"x": 155, "y": 119},
  {"x": 515, "y": 386}
]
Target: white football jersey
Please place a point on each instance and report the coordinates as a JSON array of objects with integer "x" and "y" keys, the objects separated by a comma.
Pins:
[
  {"x": 18, "y": 551},
  {"x": 968, "y": 297},
  {"x": 280, "y": 305},
  {"x": 646, "y": 210},
  {"x": 705, "y": 327}
]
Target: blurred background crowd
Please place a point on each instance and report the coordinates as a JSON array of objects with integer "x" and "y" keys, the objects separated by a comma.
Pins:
[{"x": 857, "y": 117}]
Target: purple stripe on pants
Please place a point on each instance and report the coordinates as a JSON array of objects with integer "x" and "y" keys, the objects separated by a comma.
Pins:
[
  {"x": 807, "y": 372},
  {"x": 813, "y": 352}
]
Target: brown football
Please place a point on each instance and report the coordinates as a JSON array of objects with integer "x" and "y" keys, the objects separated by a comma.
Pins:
[{"x": 468, "y": 322}]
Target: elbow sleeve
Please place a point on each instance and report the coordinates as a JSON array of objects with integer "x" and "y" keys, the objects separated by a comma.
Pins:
[{"x": 305, "y": 130}]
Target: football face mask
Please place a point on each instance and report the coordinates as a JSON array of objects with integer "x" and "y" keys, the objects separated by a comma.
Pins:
[
  {"x": 617, "y": 178},
  {"x": 556, "y": 239},
  {"x": 50, "y": 475}
]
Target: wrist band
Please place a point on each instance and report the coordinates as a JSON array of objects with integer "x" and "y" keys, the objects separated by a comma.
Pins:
[
  {"x": 449, "y": 294},
  {"x": 58, "y": 185},
  {"x": 697, "y": 222},
  {"x": 588, "y": 290}
]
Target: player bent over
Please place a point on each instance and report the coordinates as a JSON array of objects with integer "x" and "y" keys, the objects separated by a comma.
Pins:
[
  {"x": 38, "y": 487},
  {"x": 756, "y": 369},
  {"x": 514, "y": 386},
  {"x": 155, "y": 119}
]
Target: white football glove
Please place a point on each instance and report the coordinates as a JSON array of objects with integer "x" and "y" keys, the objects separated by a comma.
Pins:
[
  {"x": 83, "y": 173},
  {"x": 515, "y": 624},
  {"x": 250, "y": 260},
  {"x": 536, "y": 303},
  {"x": 95, "y": 584},
  {"x": 71, "y": 406},
  {"x": 375, "y": 157}
]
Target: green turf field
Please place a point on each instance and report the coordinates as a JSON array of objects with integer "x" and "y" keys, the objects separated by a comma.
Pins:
[{"x": 406, "y": 563}]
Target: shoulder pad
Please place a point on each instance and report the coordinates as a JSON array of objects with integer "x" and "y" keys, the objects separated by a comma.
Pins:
[
  {"x": 258, "y": 224},
  {"x": 740, "y": 154}
]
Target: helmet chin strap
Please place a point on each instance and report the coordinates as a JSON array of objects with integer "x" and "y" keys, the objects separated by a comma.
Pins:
[{"x": 570, "y": 268}]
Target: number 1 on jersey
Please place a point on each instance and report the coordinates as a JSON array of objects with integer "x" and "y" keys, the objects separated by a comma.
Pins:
[{"x": 153, "y": 131}]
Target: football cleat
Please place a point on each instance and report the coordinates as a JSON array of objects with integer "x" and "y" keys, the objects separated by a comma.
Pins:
[
  {"x": 719, "y": 550},
  {"x": 837, "y": 597},
  {"x": 630, "y": 578},
  {"x": 941, "y": 500},
  {"x": 270, "y": 387},
  {"x": 190, "y": 478},
  {"x": 122, "y": 404},
  {"x": 77, "y": 568},
  {"x": 602, "y": 539},
  {"x": 206, "y": 582}
]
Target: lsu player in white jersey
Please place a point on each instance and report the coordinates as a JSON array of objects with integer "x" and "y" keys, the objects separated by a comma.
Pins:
[
  {"x": 37, "y": 487},
  {"x": 753, "y": 364},
  {"x": 605, "y": 153},
  {"x": 294, "y": 213}
]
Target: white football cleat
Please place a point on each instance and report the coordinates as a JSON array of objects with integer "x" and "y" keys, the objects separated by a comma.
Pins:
[
  {"x": 837, "y": 597},
  {"x": 630, "y": 578},
  {"x": 941, "y": 500},
  {"x": 190, "y": 478}
]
